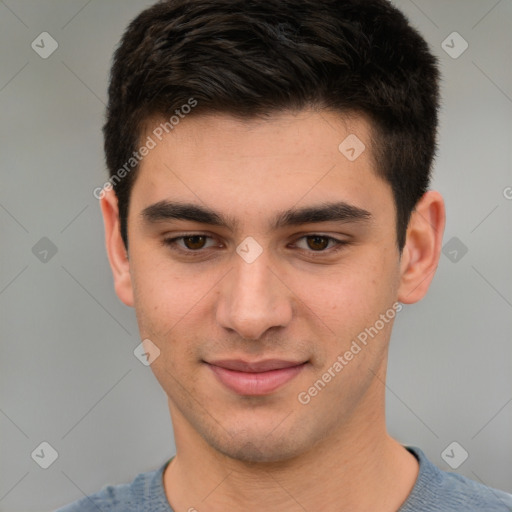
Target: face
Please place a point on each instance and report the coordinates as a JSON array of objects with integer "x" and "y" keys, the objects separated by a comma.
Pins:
[{"x": 258, "y": 254}]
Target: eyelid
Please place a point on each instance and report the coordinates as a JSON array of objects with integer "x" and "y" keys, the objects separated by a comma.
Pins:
[
  {"x": 338, "y": 244},
  {"x": 172, "y": 242}
]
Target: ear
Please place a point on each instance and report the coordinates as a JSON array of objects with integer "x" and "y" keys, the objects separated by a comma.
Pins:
[
  {"x": 422, "y": 249},
  {"x": 116, "y": 251}
]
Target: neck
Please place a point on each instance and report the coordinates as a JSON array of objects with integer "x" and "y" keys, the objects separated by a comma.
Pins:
[{"x": 358, "y": 467}]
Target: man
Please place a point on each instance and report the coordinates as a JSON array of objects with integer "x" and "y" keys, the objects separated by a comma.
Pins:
[{"x": 267, "y": 215}]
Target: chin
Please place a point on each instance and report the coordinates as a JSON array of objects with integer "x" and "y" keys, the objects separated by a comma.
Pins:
[
  {"x": 254, "y": 452},
  {"x": 253, "y": 446}
]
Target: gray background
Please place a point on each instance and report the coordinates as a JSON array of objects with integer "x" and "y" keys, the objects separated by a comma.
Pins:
[{"x": 68, "y": 375}]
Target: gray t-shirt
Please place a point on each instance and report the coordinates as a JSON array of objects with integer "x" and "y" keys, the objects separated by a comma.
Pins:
[{"x": 434, "y": 491}]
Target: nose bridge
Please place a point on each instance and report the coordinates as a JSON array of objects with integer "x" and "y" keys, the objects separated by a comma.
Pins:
[
  {"x": 252, "y": 282},
  {"x": 252, "y": 299}
]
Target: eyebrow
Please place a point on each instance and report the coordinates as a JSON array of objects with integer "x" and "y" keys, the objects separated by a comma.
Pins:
[{"x": 325, "y": 212}]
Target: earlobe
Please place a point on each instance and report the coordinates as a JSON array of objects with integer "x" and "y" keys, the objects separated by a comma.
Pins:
[
  {"x": 422, "y": 248},
  {"x": 116, "y": 251}
]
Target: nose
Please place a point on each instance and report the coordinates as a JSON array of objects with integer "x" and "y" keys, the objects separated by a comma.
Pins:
[{"x": 253, "y": 299}]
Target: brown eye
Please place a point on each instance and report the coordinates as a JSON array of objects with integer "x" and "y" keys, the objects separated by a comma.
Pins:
[
  {"x": 317, "y": 243},
  {"x": 194, "y": 242}
]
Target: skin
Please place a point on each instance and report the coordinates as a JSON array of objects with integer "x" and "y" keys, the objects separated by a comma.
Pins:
[{"x": 295, "y": 302}]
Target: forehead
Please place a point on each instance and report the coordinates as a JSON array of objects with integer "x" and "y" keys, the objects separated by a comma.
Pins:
[
  {"x": 294, "y": 134},
  {"x": 252, "y": 168}
]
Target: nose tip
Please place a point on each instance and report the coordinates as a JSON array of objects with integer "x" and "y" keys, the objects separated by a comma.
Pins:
[
  {"x": 252, "y": 300},
  {"x": 252, "y": 320}
]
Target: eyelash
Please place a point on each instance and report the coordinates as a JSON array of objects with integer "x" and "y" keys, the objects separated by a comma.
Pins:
[{"x": 172, "y": 244}]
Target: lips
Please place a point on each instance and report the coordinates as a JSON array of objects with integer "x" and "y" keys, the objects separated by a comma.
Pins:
[{"x": 255, "y": 378}]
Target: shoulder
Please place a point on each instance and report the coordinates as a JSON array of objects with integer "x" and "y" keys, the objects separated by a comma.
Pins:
[
  {"x": 146, "y": 489},
  {"x": 436, "y": 490},
  {"x": 112, "y": 498}
]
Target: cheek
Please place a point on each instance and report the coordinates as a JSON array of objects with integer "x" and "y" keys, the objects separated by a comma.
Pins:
[
  {"x": 165, "y": 312},
  {"x": 163, "y": 295},
  {"x": 172, "y": 311},
  {"x": 350, "y": 299}
]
